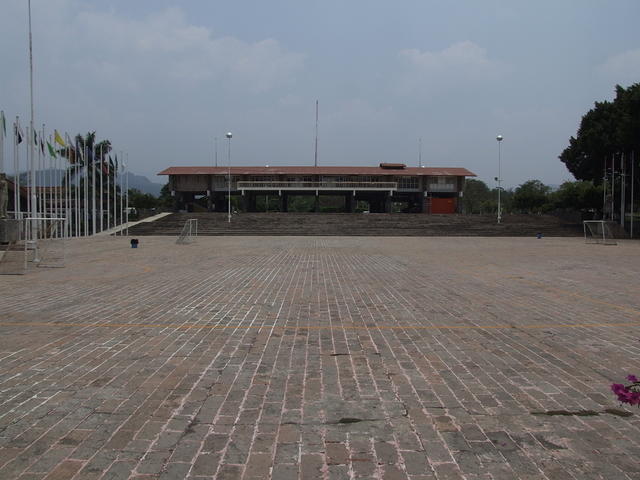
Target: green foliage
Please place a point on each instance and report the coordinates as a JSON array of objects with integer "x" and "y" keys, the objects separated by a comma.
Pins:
[
  {"x": 165, "y": 200},
  {"x": 606, "y": 129},
  {"x": 476, "y": 196},
  {"x": 581, "y": 195},
  {"x": 531, "y": 197},
  {"x": 140, "y": 200}
]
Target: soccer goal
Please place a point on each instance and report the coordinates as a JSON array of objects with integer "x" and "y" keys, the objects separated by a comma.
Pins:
[
  {"x": 189, "y": 232},
  {"x": 598, "y": 231}
]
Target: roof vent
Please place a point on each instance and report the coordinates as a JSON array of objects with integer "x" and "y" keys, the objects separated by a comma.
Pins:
[{"x": 393, "y": 166}]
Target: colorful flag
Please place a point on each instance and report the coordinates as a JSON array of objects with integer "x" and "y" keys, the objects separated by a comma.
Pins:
[
  {"x": 35, "y": 138},
  {"x": 41, "y": 145},
  {"x": 58, "y": 139},
  {"x": 52, "y": 152}
]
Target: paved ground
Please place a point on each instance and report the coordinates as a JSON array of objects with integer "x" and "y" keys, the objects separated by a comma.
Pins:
[{"x": 332, "y": 358}]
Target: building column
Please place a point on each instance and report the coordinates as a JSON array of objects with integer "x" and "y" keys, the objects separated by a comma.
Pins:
[
  {"x": 177, "y": 200},
  {"x": 420, "y": 202},
  {"x": 387, "y": 203},
  {"x": 350, "y": 202},
  {"x": 245, "y": 202},
  {"x": 316, "y": 204},
  {"x": 209, "y": 201},
  {"x": 283, "y": 201}
]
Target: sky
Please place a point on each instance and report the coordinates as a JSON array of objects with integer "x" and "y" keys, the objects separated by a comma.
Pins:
[{"x": 164, "y": 79}]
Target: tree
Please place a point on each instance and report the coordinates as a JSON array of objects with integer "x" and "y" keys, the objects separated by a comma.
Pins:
[
  {"x": 165, "y": 200},
  {"x": 581, "y": 195},
  {"x": 607, "y": 129},
  {"x": 476, "y": 194},
  {"x": 531, "y": 196},
  {"x": 138, "y": 199}
]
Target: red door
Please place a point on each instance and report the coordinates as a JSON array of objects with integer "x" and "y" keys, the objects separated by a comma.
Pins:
[{"x": 443, "y": 205}]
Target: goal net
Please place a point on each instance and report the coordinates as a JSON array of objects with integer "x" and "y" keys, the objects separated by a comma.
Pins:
[
  {"x": 189, "y": 232},
  {"x": 598, "y": 231}
]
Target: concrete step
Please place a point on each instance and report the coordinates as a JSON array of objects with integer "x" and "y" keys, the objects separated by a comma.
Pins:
[{"x": 274, "y": 224}]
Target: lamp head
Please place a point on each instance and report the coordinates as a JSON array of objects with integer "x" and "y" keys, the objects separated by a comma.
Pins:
[
  {"x": 499, "y": 138},
  {"x": 229, "y": 135}
]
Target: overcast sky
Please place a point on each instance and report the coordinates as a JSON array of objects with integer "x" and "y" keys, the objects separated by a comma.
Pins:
[{"x": 162, "y": 78}]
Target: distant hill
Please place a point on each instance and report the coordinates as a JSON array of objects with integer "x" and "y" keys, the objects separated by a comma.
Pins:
[
  {"x": 53, "y": 177},
  {"x": 142, "y": 183}
]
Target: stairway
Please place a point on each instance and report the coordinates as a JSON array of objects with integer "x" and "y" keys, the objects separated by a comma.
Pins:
[{"x": 358, "y": 224}]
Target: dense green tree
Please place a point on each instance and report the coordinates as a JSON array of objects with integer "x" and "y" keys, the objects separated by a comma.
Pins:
[
  {"x": 140, "y": 200},
  {"x": 165, "y": 200},
  {"x": 581, "y": 195},
  {"x": 475, "y": 197},
  {"x": 531, "y": 196},
  {"x": 607, "y": 129}
]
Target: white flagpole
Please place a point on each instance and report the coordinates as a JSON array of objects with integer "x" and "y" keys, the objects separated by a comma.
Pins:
[
  {"x": 633, "y": 161},
  {"x": 93, "y": 189},
  {"x": 77, "y": 190},
  {"x": 115, "y": 194},
  {"x": 86, "y": 190},
  {"x": 67, "y": 206},
  {"x": 108, "y": 193},
  {"x": 101, "y": 189},
  {"x": 122, "y": 195},
  {"x": 42, "y": 165},
  {"x": 3, "y": 123},
  {"x": 34, "y": 211},
  {"x": 28, "y": 182},
  {"x": 127, "y": 198},
  {"x": 16, "y": 169}
]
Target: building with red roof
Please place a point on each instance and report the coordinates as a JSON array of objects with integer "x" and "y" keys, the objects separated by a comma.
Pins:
[{"x": 426, "y": 189}]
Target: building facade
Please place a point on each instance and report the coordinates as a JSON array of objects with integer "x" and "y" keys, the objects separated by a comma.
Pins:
[{"x": 419, "y": 190}]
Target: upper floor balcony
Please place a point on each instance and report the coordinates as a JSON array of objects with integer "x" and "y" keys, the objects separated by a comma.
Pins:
[{"x": 322, "y": 185}]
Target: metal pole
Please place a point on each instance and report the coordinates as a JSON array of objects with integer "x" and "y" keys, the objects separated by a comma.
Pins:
[
  {"x": 499, "y": 139},
  {"x": 93, "y": 188},
  {"x": 315, "y": 162},
  {"x": 2, "y": 126},
  {"x": 34, "y": 207},
  {"x": 420, "y": 152},
  {"x": 215, "y": 150},
  {"x": 633, "y": 161},
  {"x": 127, "y": 200},
  {"x": 108, "y": 192},
  {"x": 101, "y": 188},
  {"x": 229, "y": 135},
  {"x": 622, "y": 188},
  {"x": 613, "y": 186},
  {"x": 121, "y": 195}
]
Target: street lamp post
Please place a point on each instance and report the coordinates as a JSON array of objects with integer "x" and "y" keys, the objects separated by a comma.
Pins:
[
  {"x": 499, "y": 179},
  {"x": 229, "y": 135}
]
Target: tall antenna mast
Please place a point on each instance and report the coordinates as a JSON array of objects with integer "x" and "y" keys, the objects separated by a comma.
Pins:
[
  {"x": 315, "y": 163},
  {"x": 420, "y": 152}
]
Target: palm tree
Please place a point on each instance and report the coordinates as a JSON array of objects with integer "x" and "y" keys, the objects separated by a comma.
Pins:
[{"x": 87, "y": 155}]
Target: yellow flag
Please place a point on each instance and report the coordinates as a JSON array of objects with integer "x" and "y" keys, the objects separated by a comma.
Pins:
[{"x": 58, "y": 139}]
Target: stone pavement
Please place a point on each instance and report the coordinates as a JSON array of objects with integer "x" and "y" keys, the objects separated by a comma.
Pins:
[{"x": 322, "y": 358}]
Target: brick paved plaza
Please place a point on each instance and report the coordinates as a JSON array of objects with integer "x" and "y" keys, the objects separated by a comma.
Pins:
[{"x": 329, "y": 358}]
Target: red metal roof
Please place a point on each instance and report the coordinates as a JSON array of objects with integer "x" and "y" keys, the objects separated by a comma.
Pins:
[{"x": 286, "y": 170}]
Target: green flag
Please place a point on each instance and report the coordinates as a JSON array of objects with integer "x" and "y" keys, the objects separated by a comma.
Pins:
[{"x": 52, "y": 152}]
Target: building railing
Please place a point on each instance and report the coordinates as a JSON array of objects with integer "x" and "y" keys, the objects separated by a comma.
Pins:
[
  {"x": 442, "y": 187},
  {"x": 324, "y": 185}
]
